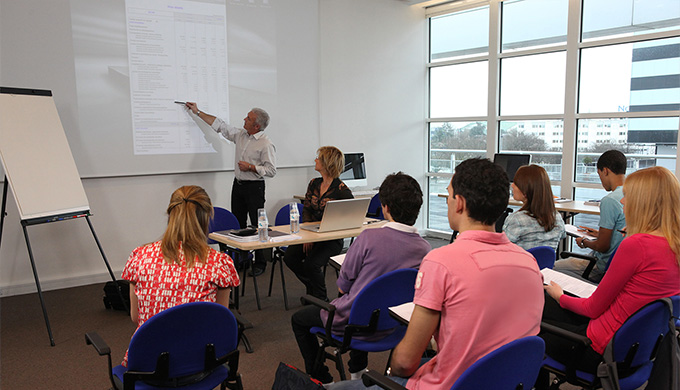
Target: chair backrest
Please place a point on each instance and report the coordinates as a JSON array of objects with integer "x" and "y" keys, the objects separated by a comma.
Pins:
[
  {"x": 636, "y": 341},
  {"x": 544, "y": 255},
  {"x": 283, "y": 215},
  {"x": 390, "y": 289},
  {"x": 183, "y": 331},
  {"x": 676, "y": 309},
  {"x": 512, "y": 366},
  {"x": 501, "y": 220},
  {"x": 375, "y": 208},
  {"x": 611, "y": 257},
  {"x": 222, "y": 219}
]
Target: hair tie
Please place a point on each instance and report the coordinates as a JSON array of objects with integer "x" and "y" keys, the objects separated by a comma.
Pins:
[{"x": 192, "y": 201}]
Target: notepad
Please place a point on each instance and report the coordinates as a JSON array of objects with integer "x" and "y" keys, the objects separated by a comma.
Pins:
[
  {"x": 338, "y": 260},
  {"x": 575, "y": 286},
  {"x": 404, "y": 311},
  {"x": 575, "y": 232}
]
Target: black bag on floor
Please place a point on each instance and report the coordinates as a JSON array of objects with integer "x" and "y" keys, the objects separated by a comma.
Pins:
[
  {"x": 290, "y": 378},
  {"x": 113, "y": 291}
]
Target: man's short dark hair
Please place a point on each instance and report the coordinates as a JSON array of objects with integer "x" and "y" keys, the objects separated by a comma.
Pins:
[
  {"x": 485, "y": 187},
  {"x": 402, "y": 194},
  {"x": 615, "y": 160}
]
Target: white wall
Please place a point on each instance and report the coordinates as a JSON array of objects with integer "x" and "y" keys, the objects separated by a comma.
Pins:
[
  {"x": 372, "y": 86},
  {"x": 372, "y": 99}
]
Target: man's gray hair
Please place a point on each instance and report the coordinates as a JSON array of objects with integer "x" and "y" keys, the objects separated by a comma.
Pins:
[{"x": 261, "y": 118}]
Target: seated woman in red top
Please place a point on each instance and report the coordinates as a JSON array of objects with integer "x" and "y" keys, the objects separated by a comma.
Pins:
[
  {"x": 181, "y": 267},
  {"x": 644, "y": 269}
]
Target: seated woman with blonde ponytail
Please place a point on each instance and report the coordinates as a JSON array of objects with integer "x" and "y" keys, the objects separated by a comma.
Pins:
[{"x": 181, "y": 267}]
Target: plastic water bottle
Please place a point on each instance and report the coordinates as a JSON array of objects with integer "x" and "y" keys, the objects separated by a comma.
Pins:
[
  {"x": 294, "y": 218},
  {"x": 262, "y": 225}
]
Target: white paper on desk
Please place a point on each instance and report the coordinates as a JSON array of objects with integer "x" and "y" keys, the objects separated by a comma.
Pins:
[
  {"x": 285, "y": 237},
  {"x": 405, "y": 310},
  {"x": 338, "y": 259},
  {"x": 575, "y": 232},
  {"x": 578, "y": 287}
]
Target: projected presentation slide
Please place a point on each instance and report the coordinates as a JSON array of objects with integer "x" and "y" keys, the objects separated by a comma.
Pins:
[{"x": 177, "y": 50}]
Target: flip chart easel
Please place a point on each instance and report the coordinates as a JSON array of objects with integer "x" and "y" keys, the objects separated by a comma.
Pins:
[{"x": 40, "y": 169}]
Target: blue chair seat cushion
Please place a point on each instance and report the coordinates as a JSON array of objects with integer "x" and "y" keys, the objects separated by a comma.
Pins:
[
  {"x": 369, "y": 344},
  {"x": 213, "y": 380}
]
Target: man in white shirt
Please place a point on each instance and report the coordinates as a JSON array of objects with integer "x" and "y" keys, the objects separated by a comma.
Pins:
[{"x": 255, "y": 159}]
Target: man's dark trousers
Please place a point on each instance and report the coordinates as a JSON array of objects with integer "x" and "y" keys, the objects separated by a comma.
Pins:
[{"x": 247, "y": 196}]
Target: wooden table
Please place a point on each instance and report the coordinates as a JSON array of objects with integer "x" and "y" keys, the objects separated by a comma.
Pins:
[{"x": 305, "y": 236}]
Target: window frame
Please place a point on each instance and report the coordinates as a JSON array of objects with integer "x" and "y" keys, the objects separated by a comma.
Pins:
[{"x": 570, "y": 116}]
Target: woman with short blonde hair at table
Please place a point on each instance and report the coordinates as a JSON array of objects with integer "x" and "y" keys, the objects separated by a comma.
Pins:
[{"x": 307, "y": 260}]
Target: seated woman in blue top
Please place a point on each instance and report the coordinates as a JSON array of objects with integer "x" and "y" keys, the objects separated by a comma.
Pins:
[
  {"x": 537, "y": 223},
  {"x": 307, "y": 260},
  {"x": 375, "y": 252}
]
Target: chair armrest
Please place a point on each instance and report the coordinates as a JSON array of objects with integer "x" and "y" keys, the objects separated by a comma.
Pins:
[
  {"x": 241, "y": 321},
  {"x": 549, "y": 328},
  {"x": 324, "y": 305},
  {"x": 370, "y": 378},
  {"x": 317, "y": 302},
  {"x": 98, "y": 343},
  {"x": 565, "y": 254},
  {"x": 589, "y": 268},
  {"x": 93, "y": 338}
]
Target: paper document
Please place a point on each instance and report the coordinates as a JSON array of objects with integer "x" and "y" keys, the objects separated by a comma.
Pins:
[
  {"x": 405, "y": 310},
  {"x": 230, "y": 235},
  {"x": 578, "y": 287},
  {"x": 275, "y": 236},
  {"x": 575, "y": 232},
  {"x": 339, "y": 259}
]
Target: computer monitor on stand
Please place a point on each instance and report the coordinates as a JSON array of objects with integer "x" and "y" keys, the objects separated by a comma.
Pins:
[
  {"x": 354, "y": 174},
  {"x": 511, "y": 162}
]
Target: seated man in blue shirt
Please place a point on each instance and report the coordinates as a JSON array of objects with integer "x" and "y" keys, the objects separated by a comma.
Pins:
[
  {"x": 375, "y": 252},
  {"x": 611, "y": 167}
]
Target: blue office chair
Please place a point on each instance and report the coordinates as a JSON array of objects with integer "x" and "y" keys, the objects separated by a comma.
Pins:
[
  {"x": 544, "y": 255},
  {"x": 282, "y": 218},
  {"x": 369, "y": 315},
  {"x": 222, "y": 219},
  {"x": 375, "y": 208},
  {"x": 631, "y": 352},
  {"x": 184, "y": 347},
  {"x": 514, "y": 366}
]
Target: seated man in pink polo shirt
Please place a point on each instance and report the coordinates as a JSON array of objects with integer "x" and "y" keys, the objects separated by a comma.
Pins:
[{"x": 474, "y": 295}]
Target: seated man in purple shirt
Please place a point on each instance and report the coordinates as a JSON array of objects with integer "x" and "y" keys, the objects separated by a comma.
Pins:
[{"x": 374, "y": 253}]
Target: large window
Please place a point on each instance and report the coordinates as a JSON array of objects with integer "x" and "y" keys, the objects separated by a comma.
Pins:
[{"x": 561, "y": 80}]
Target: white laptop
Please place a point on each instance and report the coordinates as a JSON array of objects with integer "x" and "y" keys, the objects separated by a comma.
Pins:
[{"x": 340, "y": 215}]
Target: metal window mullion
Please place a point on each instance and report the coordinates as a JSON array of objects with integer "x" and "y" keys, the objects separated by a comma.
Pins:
[
  {"x": 628, "y": 114},
  {"x": 571, "y": 99},
  {"x": 628, "y": 39},
  {"x": 493, "y": 86}
]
